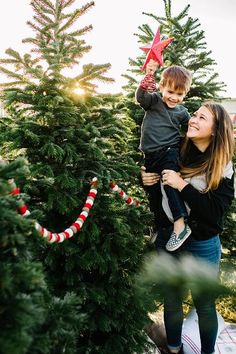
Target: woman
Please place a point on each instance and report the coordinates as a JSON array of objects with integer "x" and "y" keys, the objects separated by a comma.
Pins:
[{"x": 206, "y": 153}]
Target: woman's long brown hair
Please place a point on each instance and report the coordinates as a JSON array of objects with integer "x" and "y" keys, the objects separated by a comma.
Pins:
[{"x": 219, "y": 152}]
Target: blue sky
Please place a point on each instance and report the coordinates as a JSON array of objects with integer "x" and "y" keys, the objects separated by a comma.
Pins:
[{"x": 115, "y": 22}]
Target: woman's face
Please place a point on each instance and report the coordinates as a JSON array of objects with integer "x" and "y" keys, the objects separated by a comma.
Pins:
[{"x": 200, "y": 126}]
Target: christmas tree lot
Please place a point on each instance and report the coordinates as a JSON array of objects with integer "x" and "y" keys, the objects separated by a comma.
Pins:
[{"x": 73, "y": 237}]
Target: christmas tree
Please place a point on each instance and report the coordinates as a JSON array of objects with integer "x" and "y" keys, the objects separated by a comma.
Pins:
[
  {"x": 33, "y": 320},
  {"x": 22, "y": 282},
  {"x": 68, "y": 140},
  {"x": 189, "y": 49}
]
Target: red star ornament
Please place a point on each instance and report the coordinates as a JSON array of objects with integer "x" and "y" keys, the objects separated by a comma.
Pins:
[{"x": 155, "y": 50}]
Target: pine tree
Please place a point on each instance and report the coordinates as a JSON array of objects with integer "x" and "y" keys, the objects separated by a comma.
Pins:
[
  {"x": 189, "y": 49},
  {"x": 68, "y": 140},
  {"x": 229, "y": 232},
  {"x": 22, "y": 282},
  {"x": 32, "y": 320}
]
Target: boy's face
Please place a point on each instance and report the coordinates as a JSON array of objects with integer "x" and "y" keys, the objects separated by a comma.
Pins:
[{"x": 171, "y": 96}]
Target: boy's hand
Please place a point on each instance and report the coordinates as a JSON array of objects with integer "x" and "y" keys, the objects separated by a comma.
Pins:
[{"x": 151, "y": 66}]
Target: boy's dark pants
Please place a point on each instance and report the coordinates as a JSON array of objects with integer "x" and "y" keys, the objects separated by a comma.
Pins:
[{"x": 165, "y": 159}]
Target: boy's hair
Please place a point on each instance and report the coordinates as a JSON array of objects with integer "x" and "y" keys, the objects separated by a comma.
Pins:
[{"x": 176, "y": 76}]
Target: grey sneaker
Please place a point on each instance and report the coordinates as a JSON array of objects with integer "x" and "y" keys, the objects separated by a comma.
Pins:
[
  {"x": 153, "y": 236},
  {"x": 176, "y": 241},
  {"x": 164, "y": 351}
]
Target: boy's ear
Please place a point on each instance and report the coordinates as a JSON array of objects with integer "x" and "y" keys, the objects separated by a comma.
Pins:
[{"x": 160, "y": 86}]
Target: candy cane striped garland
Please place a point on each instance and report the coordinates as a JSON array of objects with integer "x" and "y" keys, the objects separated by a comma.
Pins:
[
  {"x": 77, "y": 225},
  {"x": 115, "y": 188},
  {"x": 70, "y": 231}
]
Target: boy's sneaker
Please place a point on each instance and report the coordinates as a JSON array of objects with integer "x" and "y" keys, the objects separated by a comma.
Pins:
[
  {"x": 153, "y": 236},
  {"x": 164, "y": 351},
  {"x": 176, "y": 241}
]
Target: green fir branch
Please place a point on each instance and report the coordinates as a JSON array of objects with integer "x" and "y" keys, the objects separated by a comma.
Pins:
[{"x": 75, "y": 15}]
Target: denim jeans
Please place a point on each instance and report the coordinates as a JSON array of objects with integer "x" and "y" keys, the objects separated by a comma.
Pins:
[
  {"x": 209, "y": 251},
  {"x": 167, "y": 158}
]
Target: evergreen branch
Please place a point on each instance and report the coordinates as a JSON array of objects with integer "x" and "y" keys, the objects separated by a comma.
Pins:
[
  {"x": 75, "y": 15},
  {"x": 44, "y": 4},
  {"x": 105, "y": 79},
  {"x": 43, "y": 20},
  {"x": 212, "y": 78},
  {"x": 75, "y": 52},
  {"x": 157, "y": 18},
  {"x": 195, "y": 25},
  {"x": 40, "y": 13},
  {"x": 162, "y": 23},
  {"x": 167, "y": 8},
  {"x": 93, "y": 69},
  {"x": 35, "y": 61},
  {"x": 183, "y": 13},
  {"x": 187, "y": 271},
  {"x": 12, "y": 74},
  {"x": 13, "y": 53},
  {"x": 68, "y": 3},
  {"x": 90, "y": 72},
  {"x": 81, "y": 32},
  {"x": 30, "y": 40},
  {"x": 58, "y": 11},
  {"x": 178, "y": 25},
  {"x": 130, "y": 78},
  {"x": 38, "y": 51},
  {"x": 12, "y": 84},
  {"x": 146, "y": 29},
  {"x": 8, "y": 61},
  {"x": 191, "y": 25},
  {"x": 33, "y": 26}
]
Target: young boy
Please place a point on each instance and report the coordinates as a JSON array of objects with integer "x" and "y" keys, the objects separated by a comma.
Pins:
[{"x": 163, "y": 122}]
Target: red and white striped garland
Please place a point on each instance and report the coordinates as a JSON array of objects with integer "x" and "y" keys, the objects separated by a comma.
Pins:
[
  {"x": 70, "y": 231},
  {"x": 77, "y": 225},
  {"x": 115, "y": 188}
]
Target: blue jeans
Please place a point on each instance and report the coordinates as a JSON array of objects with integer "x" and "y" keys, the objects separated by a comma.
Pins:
[
  {"x": 158, "y": 161},
  {"x": 209, "y": 251}
]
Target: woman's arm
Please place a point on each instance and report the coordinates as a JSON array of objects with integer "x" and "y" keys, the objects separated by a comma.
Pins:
[
  {"x": 173, "y": 179},
  {"x": 208, "y": 207}
]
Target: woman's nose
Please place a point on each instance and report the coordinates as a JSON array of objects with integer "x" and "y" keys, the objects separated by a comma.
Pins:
[{"x": 193, "y": 119}]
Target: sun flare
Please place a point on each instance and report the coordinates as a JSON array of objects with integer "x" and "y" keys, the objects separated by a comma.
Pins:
[{"x": 79, "y": 91}]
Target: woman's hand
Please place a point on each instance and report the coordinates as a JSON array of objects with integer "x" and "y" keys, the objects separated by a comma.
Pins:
[
  {"x": 149, "y": 178},
  {"x": 173, "y": 179}
]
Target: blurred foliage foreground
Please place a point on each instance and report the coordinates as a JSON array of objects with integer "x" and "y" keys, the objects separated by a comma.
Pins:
[{"x": 163, "y": 273}]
